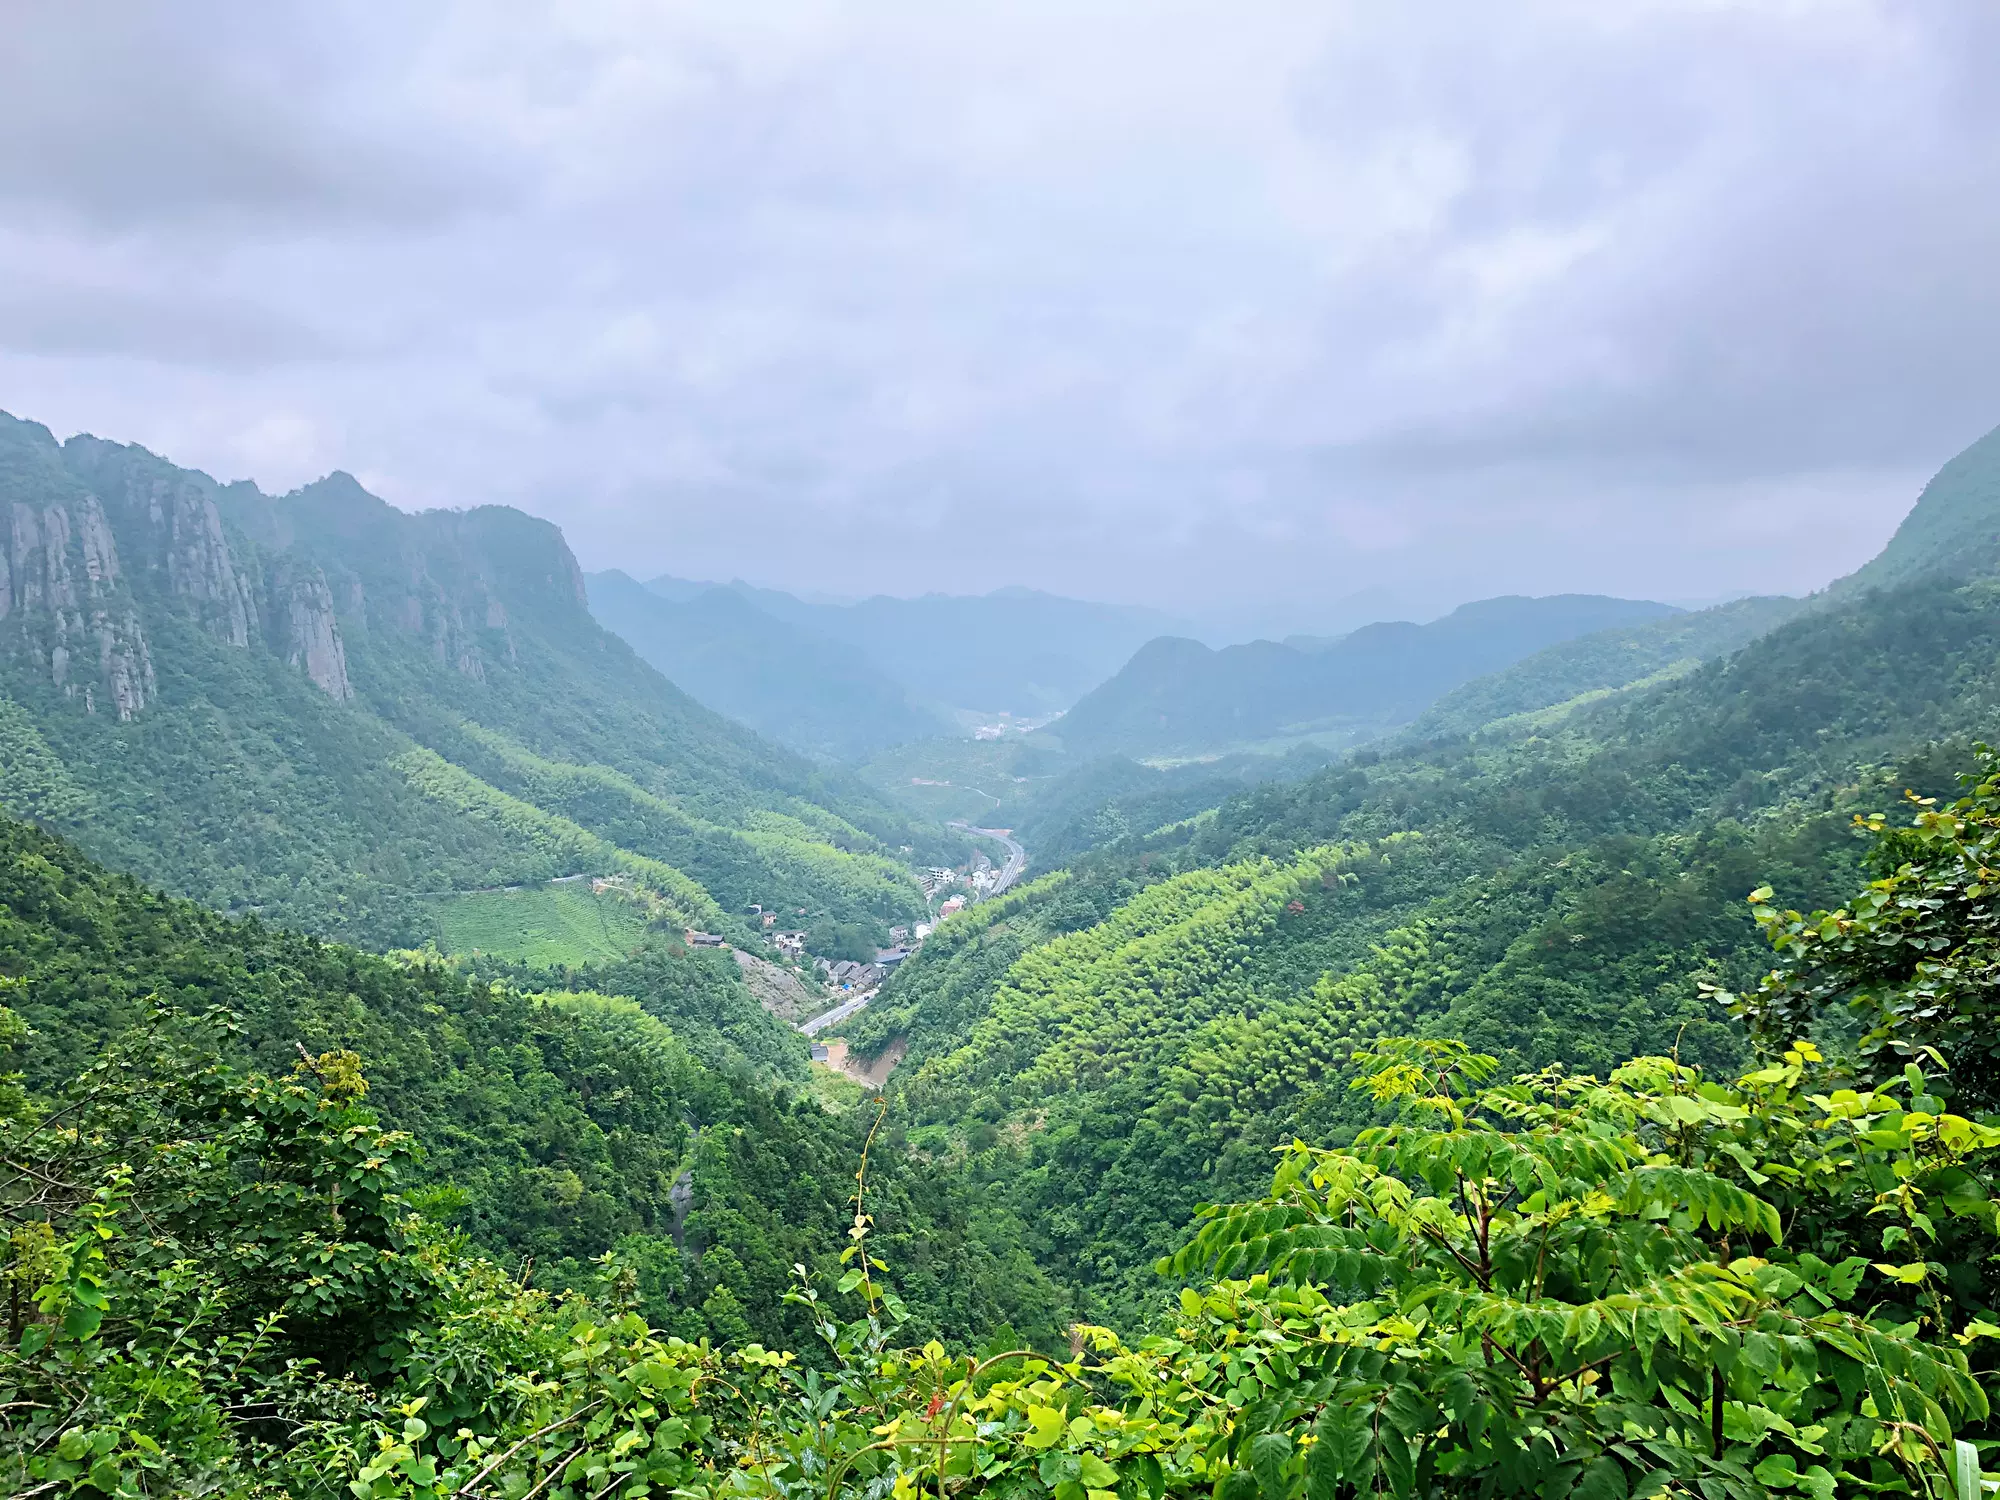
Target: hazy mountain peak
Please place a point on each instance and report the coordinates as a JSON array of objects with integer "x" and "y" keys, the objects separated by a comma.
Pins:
[
  {"x": 1953, "y": 530},
  {"x": 1177, "y": 696}
]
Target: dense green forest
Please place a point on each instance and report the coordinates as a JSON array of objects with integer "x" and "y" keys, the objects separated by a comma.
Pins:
[
  {"x": 1733, "y": 1281},
  {"x": 554, "y": 1126},
  {"x": 1127, "y": 1038}
]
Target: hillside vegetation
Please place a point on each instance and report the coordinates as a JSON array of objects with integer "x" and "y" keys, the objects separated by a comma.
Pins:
[
  {"x": 1573, "y": 671},
  {"x": 1557, "y": 897},
  {"x": 543, "y": 925},
  {"x": 1430, "y": 1123},
  {"x": 555, "y": 1126},
  {"x": 1737, "y": 1284}
]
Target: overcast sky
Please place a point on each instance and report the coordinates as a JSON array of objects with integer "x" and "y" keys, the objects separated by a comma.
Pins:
[{"x": 1241, "y": 310}]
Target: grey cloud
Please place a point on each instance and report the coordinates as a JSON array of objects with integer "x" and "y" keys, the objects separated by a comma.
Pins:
[
  {"x": 1165, "y": 302},
  {"x": 67, "y": 322},
  {"x": 135, "y": 118}
]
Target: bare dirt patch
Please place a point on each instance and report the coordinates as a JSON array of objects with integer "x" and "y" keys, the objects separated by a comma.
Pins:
[
  {"x": 777, "y": 990},
  {"x": 875, "y": 1073}
]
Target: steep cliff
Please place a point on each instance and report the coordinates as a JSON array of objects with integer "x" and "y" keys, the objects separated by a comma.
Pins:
[
  {"x": 309, "y": 628},
  {"x": 66, "y": 611}
]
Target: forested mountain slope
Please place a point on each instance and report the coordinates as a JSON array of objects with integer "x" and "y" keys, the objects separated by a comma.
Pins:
[
  {"x": 319, "y": 707},
  {"x": 1671, "y": 1278},
  {"x": 799, "y": 686},
  {"x": 556, "y": 1127},
  {"x": 1552, "y": 898},
  {"x": 1953, "y": 531},
  {"x": 1178, "y": 696},
  {"x": 1604, "y": 661},
  {"x": 1777, "y": 1284}
]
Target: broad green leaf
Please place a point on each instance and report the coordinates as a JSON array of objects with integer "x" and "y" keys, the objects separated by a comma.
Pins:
[{"x": 1046, "y": 1426}]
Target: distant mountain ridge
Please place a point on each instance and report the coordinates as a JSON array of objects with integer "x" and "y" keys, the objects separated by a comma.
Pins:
[
  {"x": 784, "y": 679},
  {"x": 1015, "y": 649},
  {"x": 1603, "y": 661},
  {"x": 1951, "y": 534},
  {"x": 1178, "y": 696},
  {"x": 316, "y": 706}
]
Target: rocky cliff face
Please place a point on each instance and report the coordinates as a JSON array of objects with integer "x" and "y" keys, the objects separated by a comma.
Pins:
[
  {"x": 175, "y": 533},
  {"x": 98, "y": 538},
  {"x": 310, "y": 629},
  {"x": 73, "y": 618}
]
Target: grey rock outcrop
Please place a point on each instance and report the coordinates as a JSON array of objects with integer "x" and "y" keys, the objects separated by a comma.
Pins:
[
  {"x": 124, "y": 663},
  {"x": 199, "y": 564},
  {"x": 311, "y": 630},
  {"x": 60, "y": 575}
]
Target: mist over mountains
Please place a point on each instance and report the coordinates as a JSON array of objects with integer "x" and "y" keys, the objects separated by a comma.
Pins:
[{"x": 1178, "y": 695}]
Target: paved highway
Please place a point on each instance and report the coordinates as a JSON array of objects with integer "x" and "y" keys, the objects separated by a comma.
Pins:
[
  {"x": 1017, "y": 857},
  {"x": 839, "y": 1013}
]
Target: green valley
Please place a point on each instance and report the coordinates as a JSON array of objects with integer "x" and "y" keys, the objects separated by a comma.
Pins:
[
  {"x": 1000, "y": 752},
  {"x": 1453, "y": 1016},
  {"x": 558, "y": 925}
]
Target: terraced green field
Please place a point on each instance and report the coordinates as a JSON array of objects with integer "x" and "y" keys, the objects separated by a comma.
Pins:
[{"x": 542, "y": 924}]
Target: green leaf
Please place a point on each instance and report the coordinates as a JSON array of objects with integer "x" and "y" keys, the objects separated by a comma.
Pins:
[
  {"x": 1269, "y": 1453},
  {"x": 1909, "y": 1275},
  {"x": 1779, "y": 1471},
  {"x": 1323, "y": 1464},
  {"x": 1046, "y": 1426},
  {"x": 1603, "y": 1480}
]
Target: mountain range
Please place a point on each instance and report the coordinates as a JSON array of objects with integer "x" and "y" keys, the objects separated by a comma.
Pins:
[
  {"x": 323, "y": 709},
  {"x": 787, "y": 680},
  {"x": 1179, "y": 696},
  {"x": 342, "y": 716},
  {"x": 843, "y": 681},
  {"x": 1552, "y": 870},
  {"x": 1016, "y": 651}
]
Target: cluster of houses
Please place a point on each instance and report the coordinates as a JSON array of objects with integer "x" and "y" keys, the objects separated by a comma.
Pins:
[
  {"x": 846, "y": 974},
  {"x": 978, "y": 881}
]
